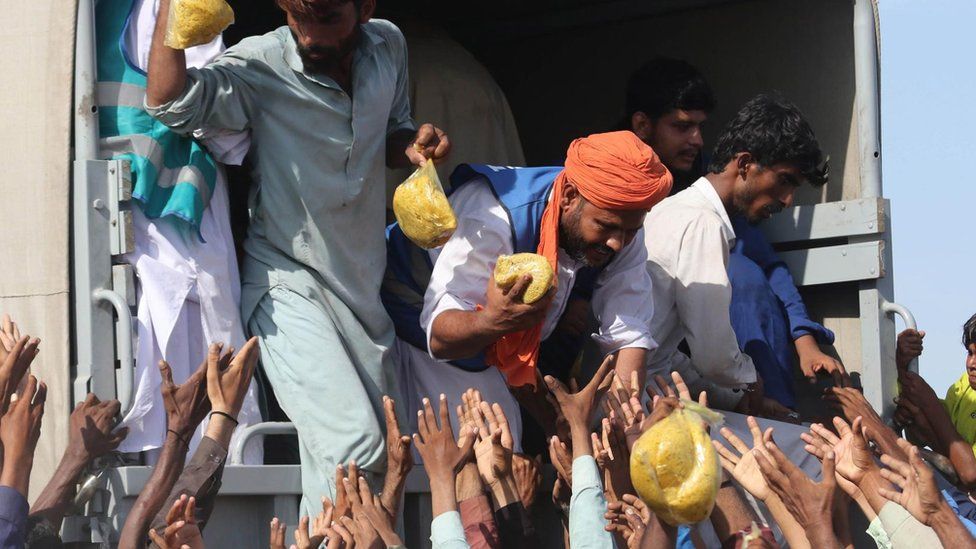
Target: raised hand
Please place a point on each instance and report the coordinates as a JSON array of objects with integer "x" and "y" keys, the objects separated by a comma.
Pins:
[
  {"x": 810, "y": 503},
  {"x": 15, "y": 363},
  {"x": 187, "y": 404},
  {"x": 740, "y": 462},
  {"x": 277, "y": 540},
  {"x": 399, "y": 460},
  {"x": 613, "y": 458},
  {"x": 909, "y": 347},
  {"x": 528, "y": 478},
  {"x": 919, "y": 493},
  {"x": 578, "y": 407},
  {"x": 562, "y": 459},
  {"x": 90, "y": 434},
  {"x": 226, "y": 386},
  {"x": 20, "y": 428},
  {"x": 852, "y": 453},
  {"x": 181, "y": 531},
  {"x": 342, "y": 508},
  {"x": 676, "y": 389},
  {"x": 368, "y": 512},
  {"x": 310, "y": 536},
  {"x": 435, "y": 441},
  {"x": 494, "y": 447},
  {"x": 629, "y": 519}
]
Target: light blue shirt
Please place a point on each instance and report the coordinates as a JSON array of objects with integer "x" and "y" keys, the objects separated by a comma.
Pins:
[
  {"x": 587, "y": 507},
  {"x": 447, "y": 532},
  {"x": 319, "y": 203}
]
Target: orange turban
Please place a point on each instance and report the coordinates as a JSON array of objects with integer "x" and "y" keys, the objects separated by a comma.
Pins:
[{"x": 612, "y": 171}]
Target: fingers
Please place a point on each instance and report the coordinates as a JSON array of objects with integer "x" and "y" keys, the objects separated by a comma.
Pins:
[
  {"x": 843, "y": 429},
  {"x": 736, "y": 442},
  {"x": 663, "y": 387},
  {"x": 728, "y": 459},
  {"x": 175, "y": 510},
  {"x": 517, "y": 289},
  {"x": 825, "y": 434},
  {"x": 213, "y": 364},
  {"x": 425, "y": 419},
  {"x": 897, "y": 470},
  {"x": 167, "y": 374},
  {"x": 556, "y": 387},
  {"x": 389, "y": 411},
  {"x": 681, "y": 386},
  {"x": 601, "y": 374},
  {"x": 828, "y": 468},
  {"x": 189, "y": 515},
  {"x": 503, "y": 425},
  {"x": 754, "y": 431},
  {"x": 301, "y": 533}
]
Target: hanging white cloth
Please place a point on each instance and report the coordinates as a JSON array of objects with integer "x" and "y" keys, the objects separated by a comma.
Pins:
[{"x": 188, "y": 285}]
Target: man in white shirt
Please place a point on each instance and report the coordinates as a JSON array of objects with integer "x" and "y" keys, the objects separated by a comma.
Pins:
[
  {"x": 764, "y": 154},
  {"x": 585, "y": 219}
]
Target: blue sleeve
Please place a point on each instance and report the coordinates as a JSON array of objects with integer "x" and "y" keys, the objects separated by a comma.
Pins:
[
  {"x": 587, "y": 507},
  {"x": 13, "y": 518},
  {"x": 751, "y": 243}
]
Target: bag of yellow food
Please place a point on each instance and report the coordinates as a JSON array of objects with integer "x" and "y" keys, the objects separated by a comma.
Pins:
[
  {"x": 510, "y": 268},
  {"x": 422, "y": 210},
  {"x": 195, "y": 22},
  {"x": 674, "y": 467}
]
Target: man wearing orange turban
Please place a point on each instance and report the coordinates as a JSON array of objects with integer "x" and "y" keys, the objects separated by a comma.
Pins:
[{"x": 586, "y": 219}]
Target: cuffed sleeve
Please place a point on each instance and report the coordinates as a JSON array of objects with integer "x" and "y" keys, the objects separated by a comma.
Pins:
[
  {"x": 447, "y": 532},
  {"x": 587, "y": 507}
]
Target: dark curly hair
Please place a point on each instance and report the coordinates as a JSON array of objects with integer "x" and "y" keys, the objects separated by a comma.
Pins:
[
  {"x": 772, "y": 130},
  {"x": 663, "y": 84}
]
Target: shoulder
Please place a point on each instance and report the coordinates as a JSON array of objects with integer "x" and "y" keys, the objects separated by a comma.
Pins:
[
  {"x": 265, "y": 47},
  {"x": 681, "y": 214},
  {"x": 388, "y": 36}
]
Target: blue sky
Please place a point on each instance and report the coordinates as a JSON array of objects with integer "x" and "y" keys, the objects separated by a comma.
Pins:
[{"x": 928, "y": 86}]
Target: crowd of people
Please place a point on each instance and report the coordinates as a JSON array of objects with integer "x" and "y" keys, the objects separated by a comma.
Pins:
[{"x": 384, "y": 355}]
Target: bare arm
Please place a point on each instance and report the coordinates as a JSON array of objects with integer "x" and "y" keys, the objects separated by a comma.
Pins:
[
  {"x": 91, "y": 436},
  {"x": 167, "y": 66},
  {"x": 461, "y": 334},
  {"x": 186, "y": 406},
  {"x": 629, "y": 360}
]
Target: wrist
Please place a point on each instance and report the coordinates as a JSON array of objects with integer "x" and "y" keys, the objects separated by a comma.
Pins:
[
  {"x": 944, "y": 518},
  {"x": 504, "y": 491},
  {"x": 468, "y": 483}
]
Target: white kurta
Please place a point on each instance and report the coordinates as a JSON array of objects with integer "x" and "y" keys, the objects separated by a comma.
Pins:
[
  {"x": 688, "y": 237},
  {"x": 622, "y": 303},
  {"x": 189, "y": 290}
]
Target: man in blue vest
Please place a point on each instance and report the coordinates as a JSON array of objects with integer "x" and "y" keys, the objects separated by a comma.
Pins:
[
  {"x": 456, "y": 329},
  {"x": 326, "y": 101}
]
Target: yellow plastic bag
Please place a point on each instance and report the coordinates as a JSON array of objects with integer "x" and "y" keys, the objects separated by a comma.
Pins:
[
  {"x": 195, "y": 22},
  {"x": 422, "y": 210},
  {"x": 675, "y": 469},
  {"x": 509, "y": 268}
]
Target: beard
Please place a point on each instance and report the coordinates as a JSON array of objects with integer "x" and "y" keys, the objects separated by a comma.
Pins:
[
  {"x": 572, "y": 242},
  {"x": 326, "y": 59}
]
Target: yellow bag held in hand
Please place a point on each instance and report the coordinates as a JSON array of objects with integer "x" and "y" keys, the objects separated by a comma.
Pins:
[
  {"x": 675, "y": 469},
  {"x": 422, "y": 210},
  {"x": 195, "y": 22},
  {"x": 510, "y": 267}
]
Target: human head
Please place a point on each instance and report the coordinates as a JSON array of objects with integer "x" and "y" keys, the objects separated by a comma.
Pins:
[
  {"x": 668, "y": 101},
  {"x": 969, "y": 342},
  {"x": 610, "y": 182},
  {"x": 326, "y": 32},
  {"x": 770, "y": 150}
]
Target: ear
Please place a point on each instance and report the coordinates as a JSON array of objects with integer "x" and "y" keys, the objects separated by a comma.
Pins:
[
  {"x": 743, "y": 161},
  {"x": 642, "y": 125},
  {"x": 570, "y": 196},
  {"x": 366, "y": 11}
]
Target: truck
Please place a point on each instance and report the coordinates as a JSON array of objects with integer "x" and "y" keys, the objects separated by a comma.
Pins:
[{"x": 562, "y": 66}]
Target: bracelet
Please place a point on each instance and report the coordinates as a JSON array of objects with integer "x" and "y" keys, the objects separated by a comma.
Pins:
[
  {"x": 183, "y": 440},
  {"x": 226, "y": 415}
]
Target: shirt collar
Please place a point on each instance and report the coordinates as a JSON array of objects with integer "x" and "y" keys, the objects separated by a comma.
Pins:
[
  {"x": 705, "y": 187},
  {"x": 367, "y": 46}
]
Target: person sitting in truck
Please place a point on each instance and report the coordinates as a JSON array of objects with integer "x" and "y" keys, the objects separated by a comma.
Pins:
[
  {"x": 767, "y": 150},
  {"x": 315, "y": 249},
  {"x": 668, "y": 103},
  {"x": 946, "y": 425},
  {"x": 457, "y": 329}
]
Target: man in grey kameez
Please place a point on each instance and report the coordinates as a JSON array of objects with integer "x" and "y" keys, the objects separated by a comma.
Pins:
[{"x": 325, "y": 100}]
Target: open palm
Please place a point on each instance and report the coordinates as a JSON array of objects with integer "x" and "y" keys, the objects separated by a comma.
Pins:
[{"x": 741, "y": 463}]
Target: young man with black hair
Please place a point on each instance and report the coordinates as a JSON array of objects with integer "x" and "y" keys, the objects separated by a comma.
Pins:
[
  {"x": 764, "y": 154},
  {"x": 668, "y": 102}
]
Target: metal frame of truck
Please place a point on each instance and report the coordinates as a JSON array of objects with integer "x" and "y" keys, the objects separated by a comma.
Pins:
[{"x": 838, "y": 242}]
